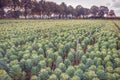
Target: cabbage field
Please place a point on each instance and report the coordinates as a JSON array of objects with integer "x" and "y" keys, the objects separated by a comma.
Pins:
[{"x": 59, "y": 50}]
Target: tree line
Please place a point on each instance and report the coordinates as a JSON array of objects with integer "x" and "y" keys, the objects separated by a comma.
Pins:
[{"x": 47, "y": 9}]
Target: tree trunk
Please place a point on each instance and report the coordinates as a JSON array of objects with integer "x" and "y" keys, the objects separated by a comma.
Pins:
[
  {"x": 25, "y": 13},
  {"x": 1, "y": 13},
  {"x": 14, "y": 8},
  {"x": 41, "y": 15}
]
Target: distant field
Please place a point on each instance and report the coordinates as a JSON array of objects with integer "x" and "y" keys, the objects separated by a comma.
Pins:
[
  {"x": 25, "y": 28},
  {"x": 59, "y": 49}
]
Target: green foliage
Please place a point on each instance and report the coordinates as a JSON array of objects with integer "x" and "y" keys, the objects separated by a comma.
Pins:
[
  {"x": 90, "y": 75},
  {"x": 83, "y": 59},
  {"x": 80, "y": 54},
  {"x": 117, "y": 62},
  {"x": 117, "y": 70},
  {"x": 59, "y": 60},
  {"x": 40, "y": 51},
  {"x": 93, "y": 68},
  {"x": 71, "y": 55},
  {"x": 35, "y": 70},
  {"x": 16, "y": 72},
  {"x": 59, "y": 50},
  {"x": 110, "y": 76},
  {"x": 75, "y": 78},
  {"x": 53, "y": 77},
  {"x": 70, "y": 71},
  {"x": 82, "y": 66},
  {"x": 92, "y": 55},
  {"x": 116, "y": 76},
  {"x": 26, "y": 64},
  {"x": 67, "y": 63},
  {"x": 49, "y": 62},
  {"x": 101, "y": 74},
  {"x": 95, "y": 79},
  {"x": 62, "y": 67},
  {"x": 57, "y": 72},
  {"x": 64, "y": 76},
  {"x": 42, "y": 64},
  {"x": 109, "y": 69},
  {"x": 26, "y": 56},
  {"x": 4, "y": 75},
  {"x": 79, "y": 73},
  {"x": 50, "y": 54},
  {"x": 89, "y": 62},
  {"x": 43, "y": 75},
  {"x": 34, "y": 77}
]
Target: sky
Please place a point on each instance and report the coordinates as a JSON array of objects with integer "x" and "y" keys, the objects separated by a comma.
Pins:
[{"x": 111, "y": 4}]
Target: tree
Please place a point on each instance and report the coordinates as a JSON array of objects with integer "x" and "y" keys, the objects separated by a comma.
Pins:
[
  {"x": 112, "y": 13},
  {"x": 36, "y": 9},
  {"x": 70, "y": 10},
  {"x": 102, "y": 11},
  {"x": 80, "y": 11},
  {"x": 42, "y": 7},
  {"x": 26, "y": 5},
  {"x": 50, "y": 7},
  {"x": 63, "y": 7},
  {"x": 3, "y": 3},
  {"x": 94, "y": 10},
  {"x": 86, "y": 12},
  {"x": 57, "y": 9},
  {"x": 15, "y": 3}
]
